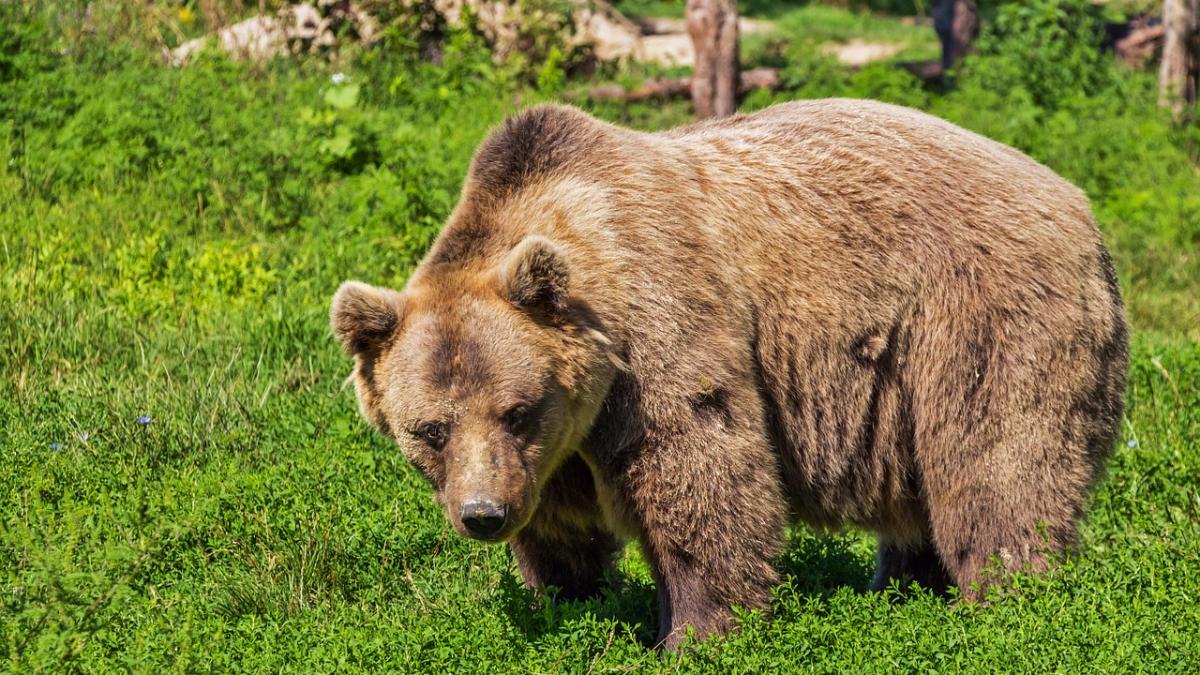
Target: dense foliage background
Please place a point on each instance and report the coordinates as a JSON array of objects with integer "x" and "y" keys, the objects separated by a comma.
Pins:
[{"x": 186, "y": 483}]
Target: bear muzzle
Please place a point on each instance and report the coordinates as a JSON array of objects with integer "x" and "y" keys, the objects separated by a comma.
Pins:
[{"x": 484, "y": 518}]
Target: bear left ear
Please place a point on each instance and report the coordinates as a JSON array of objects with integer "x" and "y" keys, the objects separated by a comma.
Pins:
[
  {"x": 535, "y": 276},
  {"x": 363, "y": 316}
]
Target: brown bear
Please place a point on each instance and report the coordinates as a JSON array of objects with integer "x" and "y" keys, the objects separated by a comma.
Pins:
[{"x": 838, "y": 312}]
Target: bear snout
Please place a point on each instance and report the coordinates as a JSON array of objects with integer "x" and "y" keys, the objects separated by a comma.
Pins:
[{"x": 483, "y": 517}]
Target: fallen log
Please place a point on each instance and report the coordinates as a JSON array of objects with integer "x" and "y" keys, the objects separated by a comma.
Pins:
[
  {"x": 1138, "y": 47},
  {"x": 678, "y": 87},
  {"x": 928, "y": 71}
]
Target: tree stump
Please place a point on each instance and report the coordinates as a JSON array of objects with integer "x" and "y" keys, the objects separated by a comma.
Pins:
[
  {"x": 957, "y": 26},
  {"x": 713, "y": 27},
  {"x": 1179, "y": 72}
]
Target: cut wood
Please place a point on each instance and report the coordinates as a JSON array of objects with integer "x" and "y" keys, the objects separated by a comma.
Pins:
[
  {"x": 294, "y": 29},
  {"x": 759, "y": 78},
  {"x": 595, "y": 24}
]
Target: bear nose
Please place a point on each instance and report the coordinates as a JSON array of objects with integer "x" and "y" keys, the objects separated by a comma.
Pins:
[{"x": 483, "y": 518}]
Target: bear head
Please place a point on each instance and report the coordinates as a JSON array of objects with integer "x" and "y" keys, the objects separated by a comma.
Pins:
[{"x": 486, "y": 376}]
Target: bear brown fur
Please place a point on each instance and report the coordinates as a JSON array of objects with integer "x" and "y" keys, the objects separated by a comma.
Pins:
[{"x": 837, "y": 312}]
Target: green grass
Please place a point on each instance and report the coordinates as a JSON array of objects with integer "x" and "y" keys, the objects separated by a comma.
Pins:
[
  {"x": 171, "y": 255},
  {"x": 638, "y": 9},
  {"x": 813, "y": 26}
]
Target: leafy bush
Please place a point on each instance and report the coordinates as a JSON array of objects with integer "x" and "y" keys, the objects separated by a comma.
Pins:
[{"x": 1046, "y": 49}]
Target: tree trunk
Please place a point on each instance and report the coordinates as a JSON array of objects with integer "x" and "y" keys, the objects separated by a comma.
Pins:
[
  {"x": 1180, "y": 69},
  {"x": 712, "y": 25},
  {"x": 957, "y": 26}
]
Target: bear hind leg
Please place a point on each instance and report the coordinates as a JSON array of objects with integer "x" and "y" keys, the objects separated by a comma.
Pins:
[
  {"x": 982, "y": 536},
  {"x": 908, "y": 563},
  {"x": 1015, "y": 421}
]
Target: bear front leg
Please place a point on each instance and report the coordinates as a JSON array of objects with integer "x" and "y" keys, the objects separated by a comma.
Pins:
[
  {"x": 565, "y": 545},
  {"x": 576, "y": 561},
  {"x": 712, "y": 520}
]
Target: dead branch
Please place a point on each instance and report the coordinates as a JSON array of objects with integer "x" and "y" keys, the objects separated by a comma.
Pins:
[
  {"x": 758, "y": 78},
  {"x": 1137, "y": 48}
]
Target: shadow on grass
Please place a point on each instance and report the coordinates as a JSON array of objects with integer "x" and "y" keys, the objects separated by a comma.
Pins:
[
  {"x": 815, "y": 567},
  {"x": 630, "y": 602}
]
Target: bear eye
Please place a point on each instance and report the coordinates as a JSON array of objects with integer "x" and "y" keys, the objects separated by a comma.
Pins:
[
  {"x": 516, "y": 420},
  {"x": 433, "y": 433}
]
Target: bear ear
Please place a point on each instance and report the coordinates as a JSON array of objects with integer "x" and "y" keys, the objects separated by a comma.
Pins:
[
  {"x": 363, "y": 316},
  {"x": 535, "y": 276}
]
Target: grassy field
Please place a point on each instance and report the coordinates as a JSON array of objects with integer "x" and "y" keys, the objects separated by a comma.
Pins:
[{"x": 186, "y": 482}]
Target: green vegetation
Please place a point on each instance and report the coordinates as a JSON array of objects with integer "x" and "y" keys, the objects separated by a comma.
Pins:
[{"x": 186, "y": 483}]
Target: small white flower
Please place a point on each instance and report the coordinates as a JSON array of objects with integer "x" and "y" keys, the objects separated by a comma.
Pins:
[{"x": 338, "y": 78}]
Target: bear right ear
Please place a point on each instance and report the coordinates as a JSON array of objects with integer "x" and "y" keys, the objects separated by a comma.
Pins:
[{"x": 363, "y": 316}]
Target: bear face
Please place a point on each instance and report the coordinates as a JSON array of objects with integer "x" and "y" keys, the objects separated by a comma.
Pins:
[{"x": 486, "y": 378}]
